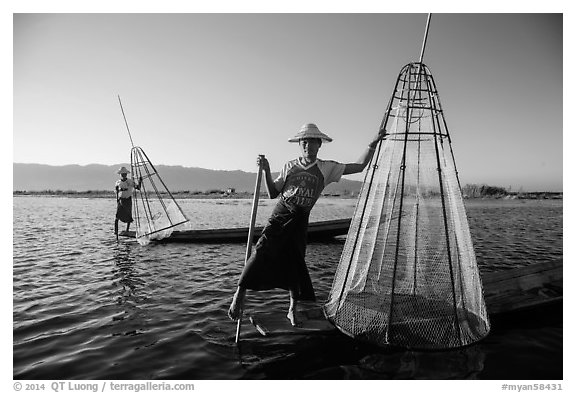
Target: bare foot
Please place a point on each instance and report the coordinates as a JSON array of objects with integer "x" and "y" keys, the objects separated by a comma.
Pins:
[
  {"x": 292, "y": 318},
  {"x": 237, "y": 306}
]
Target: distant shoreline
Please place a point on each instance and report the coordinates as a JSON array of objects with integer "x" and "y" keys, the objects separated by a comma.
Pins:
[
  {"x": 111, "y": 194},
  {"x": 249, "y": 195}
]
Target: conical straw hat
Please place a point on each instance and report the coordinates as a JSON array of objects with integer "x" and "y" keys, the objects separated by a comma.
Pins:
[
  {"x": 310, "y": 131},
  {"x": 122, "y": 170}
]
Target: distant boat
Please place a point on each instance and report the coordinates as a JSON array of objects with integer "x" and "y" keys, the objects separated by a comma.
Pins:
[{"x": 320, "y": 230}]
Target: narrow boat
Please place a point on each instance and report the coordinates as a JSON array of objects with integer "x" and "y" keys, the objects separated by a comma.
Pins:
[
  {"x": 317, "y": 231},
  {"x": 528, "y": 288},
  {"x": 523, "y": 294}
]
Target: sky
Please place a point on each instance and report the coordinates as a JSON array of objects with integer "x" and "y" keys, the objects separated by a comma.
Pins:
[{"x": 215, "y": 90}]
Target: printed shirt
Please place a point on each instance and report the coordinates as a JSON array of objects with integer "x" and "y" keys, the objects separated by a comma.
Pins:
[
  {"x": 301, "y": 185},
  {"x": 125, "y": 188}
]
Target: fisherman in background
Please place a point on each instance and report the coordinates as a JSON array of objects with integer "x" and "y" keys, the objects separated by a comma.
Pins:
[
  {"x": 278, "y": 260},
  {"x": 124, "y": 190}
]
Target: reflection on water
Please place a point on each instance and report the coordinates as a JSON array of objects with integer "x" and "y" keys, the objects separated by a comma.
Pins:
[
  {"x": 125, "y": 278},
  {"x": 465, "y": 363},
  {"x": 125, "y": 274},
  {"x": 88, "y": 307},
  {"x": 344, "y": 358}
]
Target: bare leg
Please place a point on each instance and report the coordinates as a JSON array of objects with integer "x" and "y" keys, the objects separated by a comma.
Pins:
[
  {"x": 292, "y": 309},
  {"x": 116, "y": 228},
  {"x": 237, "y": 305},
  {"x": 127, "y": 227}
]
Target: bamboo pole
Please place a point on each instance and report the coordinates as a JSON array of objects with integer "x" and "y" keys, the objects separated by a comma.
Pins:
[
  {"x": 425, "y": 38},
  {"x": 125, "y": 121},
  {"x": 251, "y": 232}
]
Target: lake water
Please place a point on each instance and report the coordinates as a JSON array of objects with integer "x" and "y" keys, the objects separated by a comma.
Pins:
[{"x": 88, "y": 307}]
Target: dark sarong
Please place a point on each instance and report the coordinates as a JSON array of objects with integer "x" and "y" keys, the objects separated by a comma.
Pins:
[
  {"x": 277, "y": 260},
  {"x": 124, "y": 210}
]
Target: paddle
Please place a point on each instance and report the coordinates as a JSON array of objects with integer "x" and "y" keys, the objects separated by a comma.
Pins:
[{"x": 251, "y": 232}]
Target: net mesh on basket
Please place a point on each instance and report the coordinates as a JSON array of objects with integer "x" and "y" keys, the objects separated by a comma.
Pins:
[
  {"x": 155, "y": 210},
  {"x": 408, "y": 274}
]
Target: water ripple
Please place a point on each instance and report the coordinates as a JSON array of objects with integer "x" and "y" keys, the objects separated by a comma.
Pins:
[{"x": 87, "y": 307}]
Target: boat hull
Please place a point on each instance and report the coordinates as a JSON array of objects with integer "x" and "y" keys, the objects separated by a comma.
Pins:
[
  {"x": 524, "y": 288},
  {"x": 317, "y": 231},
  {"x": 524, "y": 295}
]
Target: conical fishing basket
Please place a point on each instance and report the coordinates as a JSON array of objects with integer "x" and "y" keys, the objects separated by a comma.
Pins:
[
  {"x": 408, "y": 274},
  {"x": 156, "y": 212}
]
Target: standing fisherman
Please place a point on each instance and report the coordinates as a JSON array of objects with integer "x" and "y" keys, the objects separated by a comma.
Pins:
[
  {"x": 278, "y": 260},
  {"x": 124, "y": 190}
]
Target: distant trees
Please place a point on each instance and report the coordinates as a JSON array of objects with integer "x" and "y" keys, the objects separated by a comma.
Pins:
[
  {"x": 483, "y": 191},
  {"x": 90, "y": 193},
  {"x": 468, "y": 191}
]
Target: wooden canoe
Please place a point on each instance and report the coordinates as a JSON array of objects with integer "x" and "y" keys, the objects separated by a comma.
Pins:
[
  {"x": 317, "y": 231},
  {"x": 532, "y": 290},
  {"x": 524, "y": 288}
]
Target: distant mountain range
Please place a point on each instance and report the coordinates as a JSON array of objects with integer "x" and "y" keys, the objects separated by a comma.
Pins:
[{"x": 96, "y": 177}]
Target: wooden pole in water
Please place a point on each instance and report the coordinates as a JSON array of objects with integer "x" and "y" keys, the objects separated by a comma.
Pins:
[{"x": 251, "y": 231}]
